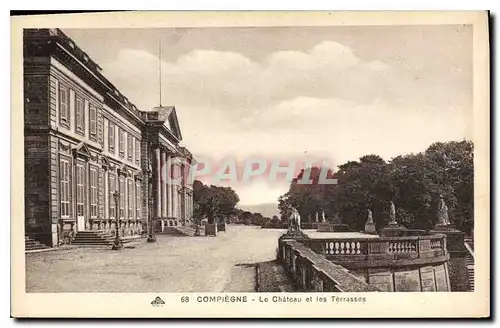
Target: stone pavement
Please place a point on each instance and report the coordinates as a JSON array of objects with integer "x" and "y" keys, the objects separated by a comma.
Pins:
[{"x": 172, "y": 264}]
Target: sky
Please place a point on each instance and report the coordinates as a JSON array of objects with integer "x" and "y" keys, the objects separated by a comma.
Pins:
[{"x": 282, "y": 93}]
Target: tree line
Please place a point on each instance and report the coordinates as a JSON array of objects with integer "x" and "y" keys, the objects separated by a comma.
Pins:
[
  {"x": 218, "y": 204},
  {"x": 413, "y": 182}
]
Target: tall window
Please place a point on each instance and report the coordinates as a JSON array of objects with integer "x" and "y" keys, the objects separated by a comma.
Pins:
[
  {"x": 130, "y": 146},
  {"x": 111, "y": 137},
  {"x": 137, "y": 152},
  {"x": 93, "y": 192},
  {"x": 64, "y": 106},
  {"x": 80, "y": 116},
  {"x": 138, "y": 199},
  {"x": 122, "y": 197},
  {"x": 112, "y": 188},
  {"x": 80, "y": 190},
  {"x": 93, "y": 120},
  {"x": 122, "y": 143},
  {"x": 131, "y": 198},
  {"x": 64, "y": 172}
]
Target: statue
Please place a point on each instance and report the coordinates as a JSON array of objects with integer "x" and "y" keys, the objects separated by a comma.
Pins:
[
  {"x": 443, "y": 219},
  {"x": 316, "y": 217},
  {"x": 294, "y": 220},
  {"x": 369, "y": 225},
  {"x": 370, "y": 217},
  {"x": 323, "y": 218},
  {"x": 392, "y": 214}
]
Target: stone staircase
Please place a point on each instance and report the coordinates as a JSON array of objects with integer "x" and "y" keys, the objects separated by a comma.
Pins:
[
  {"x": 469, "y": 263},
  {"x": 31, "y": 244},
  {"x": 93, "y": 238}
]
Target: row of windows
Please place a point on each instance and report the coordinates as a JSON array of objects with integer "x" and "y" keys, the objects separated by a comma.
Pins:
[
  {"x": 133, "y": 151},
  {"x": 65, "y": 111},
  {"x": 129, "y": 191}
]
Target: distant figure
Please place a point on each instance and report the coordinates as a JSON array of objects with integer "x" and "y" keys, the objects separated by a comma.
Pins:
[{"x": 316, "y": 218}]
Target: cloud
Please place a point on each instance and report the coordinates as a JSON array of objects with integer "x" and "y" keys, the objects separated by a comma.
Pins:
[
  {"x": 228, "y": 79},
  {"x": 324, "y": 102}
]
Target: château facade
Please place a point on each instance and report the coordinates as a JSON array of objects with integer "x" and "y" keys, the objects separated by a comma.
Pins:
[{"x": 84, "y": 140}]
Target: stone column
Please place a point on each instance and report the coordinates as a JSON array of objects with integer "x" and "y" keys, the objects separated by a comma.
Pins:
[
  {"x": 170, "y": 212},
  {"x": 163, "y": 185},
  {"x": 175, "y": 194},
  {"x": 158, "y": 182}
]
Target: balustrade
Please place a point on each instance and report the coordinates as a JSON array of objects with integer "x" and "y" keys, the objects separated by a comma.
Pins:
[
  {"x": 404, "y": 246},
  {"x": 344, "y": 247},
  {"x": 313, "y": 272},
  {"x": 411, "y": 245},
  {"x": 324, "y": 264},
  {"x": 436, "y": 244}
]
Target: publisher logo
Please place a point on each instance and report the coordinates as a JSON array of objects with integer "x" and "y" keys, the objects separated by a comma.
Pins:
[{"x": 157, "y": 302}]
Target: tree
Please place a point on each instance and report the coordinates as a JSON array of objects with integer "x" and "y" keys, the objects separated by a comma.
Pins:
[
  {"x": 214, "y": 202},
  {"x": 413, "y": 182}
]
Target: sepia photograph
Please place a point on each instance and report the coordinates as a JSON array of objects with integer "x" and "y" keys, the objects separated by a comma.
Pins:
[{"x": 302, "y": 161}]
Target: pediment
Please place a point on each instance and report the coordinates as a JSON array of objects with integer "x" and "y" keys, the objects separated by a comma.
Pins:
[
  {"x": 82, "y": 150},
  {"x": 173, "y": 124},
  {"x": 167, "y": 116}
]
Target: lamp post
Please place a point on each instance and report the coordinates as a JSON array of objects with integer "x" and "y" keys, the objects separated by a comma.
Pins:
[
  {"x": 151, "y": 232},
  {"x": 117, "y": 244}
]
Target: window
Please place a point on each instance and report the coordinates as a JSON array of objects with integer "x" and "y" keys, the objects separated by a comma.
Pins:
[
  {"x": 80, "y": 115},
  {"x": 112, "y": 188},
  {"x": 131, "y": 197},
  {"x": 138, "y": 199},
  {"x": 80, "y": 190},
  {"x": 64, "y": 106},
  {"x": 137, "y": 152},
  {"x": 64, "y": 172},
  {"x": 122, "y": 197},
  {"x": 111, "y": 137},
  {"x": 93, "y": 120},
  {"x": 130, "y": 146},
  {"x": 122, "y": 143},
  {"x": 93, "y": 192}
]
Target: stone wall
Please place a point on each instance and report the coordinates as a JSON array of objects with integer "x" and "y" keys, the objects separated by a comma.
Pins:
[
  {"x": 392, "y": 264},
  {"x": 36, "y": 184},
  {"x": 312, "y": 272}
]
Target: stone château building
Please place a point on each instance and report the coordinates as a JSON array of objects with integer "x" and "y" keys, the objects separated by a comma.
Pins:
[{"x": 84, "y": 140}]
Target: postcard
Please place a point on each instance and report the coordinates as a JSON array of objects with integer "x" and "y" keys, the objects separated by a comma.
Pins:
[{"x": 250, "y": 165}]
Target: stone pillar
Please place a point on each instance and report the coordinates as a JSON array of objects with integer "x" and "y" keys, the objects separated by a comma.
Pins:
[
  {"x": 457, "y": 265},
  {"x": 163, "y": 185},
  {"x": 175, "y": 194},
  {"x": 168, "y": 170},
  {"x": 158, "y": 182}
]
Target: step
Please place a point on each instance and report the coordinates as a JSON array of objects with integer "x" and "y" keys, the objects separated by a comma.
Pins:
[
  {"x": 39, "y": 246},
  {"x": 102, "y": 242}
]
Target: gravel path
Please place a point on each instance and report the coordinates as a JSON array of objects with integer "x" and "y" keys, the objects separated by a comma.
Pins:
[{"x": 172, "y": 264}]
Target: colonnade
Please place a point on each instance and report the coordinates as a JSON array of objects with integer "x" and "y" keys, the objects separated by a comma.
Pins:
[{"x": 173, "y": 201}]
